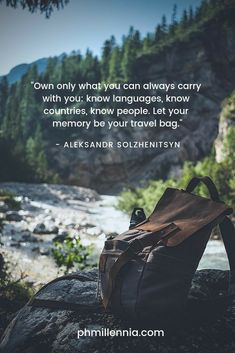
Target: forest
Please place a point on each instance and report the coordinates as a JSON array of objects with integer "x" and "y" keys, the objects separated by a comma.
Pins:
[{"x": 25, "y": 136}]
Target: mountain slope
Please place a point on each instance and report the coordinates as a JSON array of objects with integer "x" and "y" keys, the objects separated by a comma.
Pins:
[
  {"x": 205, "y": 55},
  {"x": 18, "y": 71},
  {"x": 199, "y": 49}
]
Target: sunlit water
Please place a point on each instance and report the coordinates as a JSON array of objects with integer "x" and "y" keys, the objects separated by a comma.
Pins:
[{"x": 42, "y": 268}]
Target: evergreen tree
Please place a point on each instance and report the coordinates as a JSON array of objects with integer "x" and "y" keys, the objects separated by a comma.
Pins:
[
  {"x": 164, "y": 24},
  {"x": 35, "y": 155},
  {"x": 11, "y": 122},
  {"x": 184, "y": 21},
  {"x": 50, "y": 69},
  {"x": 147, "y": 43},
  {"x": 173, "y": 24},
  {"x": 45, "y": 6},
  {"x": 131, "y": 47},
  {"x": 90, "y": 68},
  {"x": 127, "y": 61},
  {"x": 28, "y": 108},
  {"x": 191, "y": 14},
  {"x": 174, "y": 15},
  {"x": 158, "y": 33},
  {"x": 114, "y": 66},
  {"x": 105, "y": 57},
  {"x": 3, "y": 97}
]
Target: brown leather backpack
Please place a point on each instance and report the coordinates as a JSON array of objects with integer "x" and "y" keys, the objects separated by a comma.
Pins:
[{"x": 146, "y": 272}]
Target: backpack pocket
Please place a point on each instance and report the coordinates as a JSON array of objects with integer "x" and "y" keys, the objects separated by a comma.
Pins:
[{"x": 114, "y": 255}]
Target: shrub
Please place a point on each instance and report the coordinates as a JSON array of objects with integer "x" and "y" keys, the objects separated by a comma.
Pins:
[
  {"x": 71, "y": 254},
  {"x": 10, "y": 199}
]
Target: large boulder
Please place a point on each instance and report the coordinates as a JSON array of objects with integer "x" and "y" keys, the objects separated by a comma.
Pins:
[{"x": 41, "y": 329}]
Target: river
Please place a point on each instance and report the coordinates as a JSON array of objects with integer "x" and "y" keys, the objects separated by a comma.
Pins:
[{"x": 73, "y": 210}]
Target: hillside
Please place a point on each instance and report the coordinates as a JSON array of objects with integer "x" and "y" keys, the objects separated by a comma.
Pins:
[
  {"x": 18, "y": 71},
  {"x": 199, "y": 48}
]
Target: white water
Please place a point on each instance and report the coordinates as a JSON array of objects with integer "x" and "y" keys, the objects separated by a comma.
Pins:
[{"x": 92, "y": 220}]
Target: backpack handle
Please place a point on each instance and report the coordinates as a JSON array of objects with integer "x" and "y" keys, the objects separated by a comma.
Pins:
[
  {"x": 195, "y": 181},
  {"x": 227, "y": 229}
]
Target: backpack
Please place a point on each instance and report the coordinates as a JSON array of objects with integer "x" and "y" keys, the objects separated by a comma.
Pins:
[{"x": 145, "y": 273}]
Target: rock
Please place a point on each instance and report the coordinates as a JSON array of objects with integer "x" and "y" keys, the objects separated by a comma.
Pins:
[
  {"x": 38, "y": 329},
  {"x": 226, "y": 124},
  {"x": 13, "y": 216},
  {"x": 50, "y": 192},
  {"x": 61, "y": 236},
  {"x": 3, "y": 207},
  {"x": 42, "y": 228},
  {"x": 27, "y": 237},
  {"x": 36, "y": 249},
  {"x": 94, "y": 231},
  {"x": 85, "y": 224},
  {"x": 197, "y": 59},
  {"x": 44, "y": 252},
  {"x": 9, "y": 229},
  {"x": 2, "y": 216},
  {"x": 15, "y": 244},
  {"x": 112, "y": 235}
]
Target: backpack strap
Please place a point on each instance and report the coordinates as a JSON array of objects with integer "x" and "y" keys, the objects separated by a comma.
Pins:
[
  {"x": 227, "y": 229},
  {"x": 195, "y": 181}
]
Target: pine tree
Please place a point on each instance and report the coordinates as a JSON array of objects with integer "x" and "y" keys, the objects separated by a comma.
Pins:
[
  {"x": 90, "y": 68},
  {"x": 164, "y": 24},
  {"x": 44, "y": 6},
  {"x": 28, "y": 107},
  {"x": 191, "y": 14},
  {"x": 147, "y": 43},
  {"x": 11, "y": 125},
  {"x": 173, "y": 24},
  {"x": 114, "y": 66},
  {"x": 35, "y": 155},
  {"x": 3, "y": 97},
  {"x": 105, "y": 57},
  {"x": 174, "y": 15},
  {"x": 184, "y": 21},
  {"x": 131, "y": 47},
  {"x": 158, "y": 33}
]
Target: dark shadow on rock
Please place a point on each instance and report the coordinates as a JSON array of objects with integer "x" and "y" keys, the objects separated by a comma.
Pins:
[{"x": 40, "y": 329}]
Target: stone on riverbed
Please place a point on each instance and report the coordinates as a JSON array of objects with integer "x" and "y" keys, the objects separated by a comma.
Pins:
[
  {"x": 3, "y": 207},
  {"x": 42, "y": 228},
  {"x": 13, "y": 216},
  {"x": 37, "y": 330}
]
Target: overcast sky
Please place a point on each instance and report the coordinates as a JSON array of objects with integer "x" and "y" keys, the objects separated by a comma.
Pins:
[{"x": 82, "y": 24}]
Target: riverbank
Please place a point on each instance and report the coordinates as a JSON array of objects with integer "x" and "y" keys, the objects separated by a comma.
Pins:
[{"x": 50, "y": 212}]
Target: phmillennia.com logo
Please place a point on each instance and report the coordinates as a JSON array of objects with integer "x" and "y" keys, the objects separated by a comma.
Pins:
[{"x": 106, "y": 332}]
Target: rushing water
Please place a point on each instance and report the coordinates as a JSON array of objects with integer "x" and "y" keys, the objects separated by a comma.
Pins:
[{"x": 93, "y": 220}]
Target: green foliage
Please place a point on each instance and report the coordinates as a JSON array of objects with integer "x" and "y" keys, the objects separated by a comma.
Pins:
[
  {"x": 24, "y": 135},
  {"x": 107, "y": 49},
  {"x": 114, "y": 65},
  {"x": 71, "y": 254},
  {"x": 9, "y": 198},
  {"x": 44, "y": 6},
  {"x": 35, "y": 155},
  {"x": 15, "y": 291},
  {"x": 223, "y": 173},
  {"x": 228, "y": 105},
  {"x": 144, "y": 197},
  {"x": 131, "y": 46}
]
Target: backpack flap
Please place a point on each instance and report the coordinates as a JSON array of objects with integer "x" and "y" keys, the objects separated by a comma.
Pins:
[{"x": 188, "y": 212}]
